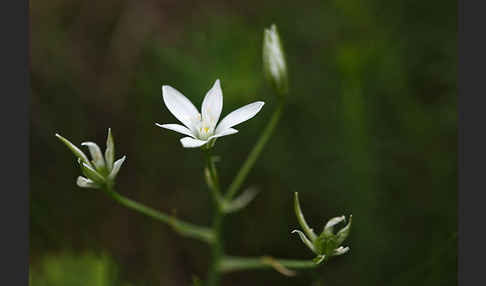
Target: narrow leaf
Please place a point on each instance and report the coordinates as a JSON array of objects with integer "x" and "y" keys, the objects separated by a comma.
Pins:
[{"x": 241, "y": 201}]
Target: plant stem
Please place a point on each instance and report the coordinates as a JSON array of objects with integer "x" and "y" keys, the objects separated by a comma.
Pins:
[
  {"x": 255, "y": 152},
  {"x": 229, "y": 264},
  {"x": 213, "y": 182},
  {"x": 214, "y": 272},
  {"x": 217, "y": 245},
  {"x": 183, "y": 228}
]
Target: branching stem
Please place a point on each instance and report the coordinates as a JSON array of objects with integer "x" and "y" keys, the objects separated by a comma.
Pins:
[
  {"x": 229, "y": 264},
  {"x": 183, "y": 228},
  {"x": 255, "y": 152}
]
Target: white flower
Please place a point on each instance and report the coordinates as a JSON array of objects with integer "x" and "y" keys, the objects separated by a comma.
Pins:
[{"x": 203, "y": 127}]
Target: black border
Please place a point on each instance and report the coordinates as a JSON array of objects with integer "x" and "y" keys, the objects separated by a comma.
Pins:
[
  {"x": 14, "y": 214},
  {"x": 472, "y": 154}
]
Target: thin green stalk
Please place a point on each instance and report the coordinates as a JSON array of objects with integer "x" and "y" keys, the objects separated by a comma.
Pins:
[
  {"x": 183, "y": 228},
  {"x": 213, "y": 182},
  {"x": 257, "y": 149},
  {"x": 229, "y": 264},
  {"x": 213, "y": 276},
  {"x": 214, "y": 272}
]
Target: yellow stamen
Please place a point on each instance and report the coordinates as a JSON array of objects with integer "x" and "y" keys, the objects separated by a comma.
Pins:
[{"x": 206, "y": 129}]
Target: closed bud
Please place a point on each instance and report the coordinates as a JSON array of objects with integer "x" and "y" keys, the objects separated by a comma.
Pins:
[{"x": 274, "y": 64}]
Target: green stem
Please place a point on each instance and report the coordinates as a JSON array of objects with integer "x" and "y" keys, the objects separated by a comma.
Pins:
[
  {"x": 229, "y": 264},
  {"x": 213, "y": 182},
  {"x": 183, "y": 228},
  {"x": 257, "y": 149},
  {"x": 217, "y": 245},
  {"x": 214, "y": 272}
]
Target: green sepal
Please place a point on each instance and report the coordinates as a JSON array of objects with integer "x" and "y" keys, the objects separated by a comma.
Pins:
[
  {"x": 344, "y": 232},
  {"x": 91, "y": 173},
  {"x": 110, "y": 151},
  {"x": 76, "y": 151},
  {"x": 300, "y": 218}
]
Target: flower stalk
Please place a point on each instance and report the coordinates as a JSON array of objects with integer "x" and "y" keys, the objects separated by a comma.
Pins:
[
  {"x": 183, "y": 228},
  {"x": 255, "y": 152},
  {"x": 284, "y": 266},
  {"x": 212, "y": 179}
]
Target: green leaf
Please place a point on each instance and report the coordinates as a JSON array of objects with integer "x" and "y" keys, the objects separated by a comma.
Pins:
[{"x": 241, "y": 201}]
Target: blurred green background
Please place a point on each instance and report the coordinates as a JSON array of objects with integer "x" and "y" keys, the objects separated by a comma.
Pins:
[{"x": 370, "y": 130}]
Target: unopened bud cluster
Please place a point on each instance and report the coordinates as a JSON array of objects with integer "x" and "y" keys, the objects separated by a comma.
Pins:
[
  {"x": 328, "y": 243},
  {"x": 100, "y": 172}
]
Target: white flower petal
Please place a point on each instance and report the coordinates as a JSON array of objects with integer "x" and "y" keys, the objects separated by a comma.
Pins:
[
  {"x": 239, "y": 115},
  {"x": 212, "y": 105},
  {"x": 332, "y": 222},
  {"x": 340, "y": 250},
  {"x": 110, "y": 151},
  {"x": 177, "y": 128},
  {"x": 181, "y": 107},
  {"x": 188, "y": 142},
  {"x": 77, "y": 152},
  {"x": 305, "y": 240},
  {"x": 226, "y": 132},
  {"x": 116, "y": 167},
  {"x": 86, "y": 183},
  {"x": 96, "y": 155}
]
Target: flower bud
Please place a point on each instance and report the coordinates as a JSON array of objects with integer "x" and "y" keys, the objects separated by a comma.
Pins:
[
  {"x": 101, "y": 171},
  {"x": 274, "y": 64},
  {"x": 327, "y": 244}
]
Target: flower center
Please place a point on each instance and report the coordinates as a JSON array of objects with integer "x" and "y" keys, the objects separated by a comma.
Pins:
[{"x": 204, "y": 128}]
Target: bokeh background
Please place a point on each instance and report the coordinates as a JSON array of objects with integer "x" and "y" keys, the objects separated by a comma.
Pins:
[{"x": 370, "y": 130}]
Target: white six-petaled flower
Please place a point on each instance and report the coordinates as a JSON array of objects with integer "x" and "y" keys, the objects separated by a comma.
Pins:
[{"x": 202, "y": 128}]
